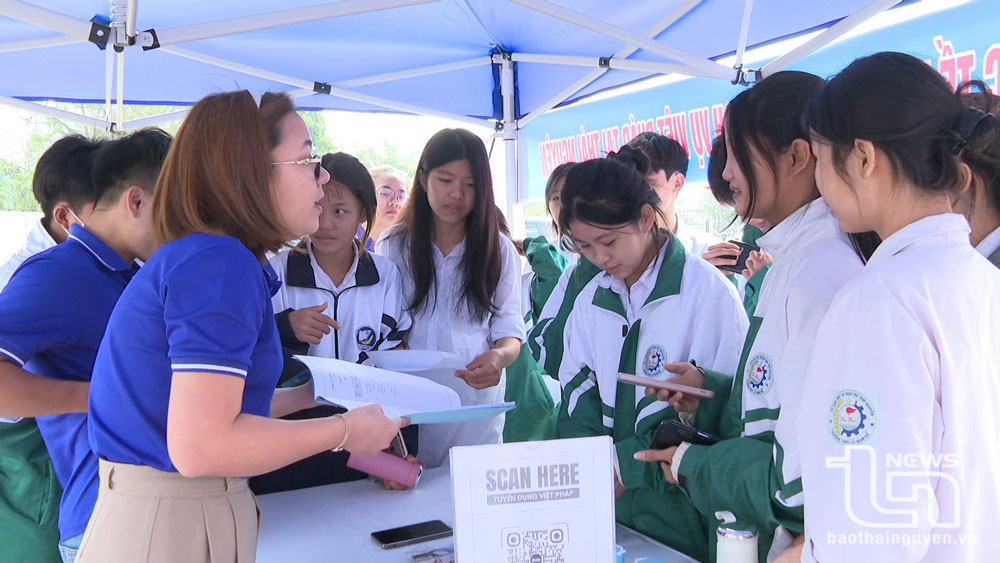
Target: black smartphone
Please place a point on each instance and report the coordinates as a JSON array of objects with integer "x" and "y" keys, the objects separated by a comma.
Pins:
[
  {"x": 672, "y": 432},
  {"x": 741, "y": 261},
  {"x": 414, "y": 533}
]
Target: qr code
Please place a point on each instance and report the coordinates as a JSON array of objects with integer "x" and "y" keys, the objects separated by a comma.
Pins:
[{"x": 535, "y": 546}]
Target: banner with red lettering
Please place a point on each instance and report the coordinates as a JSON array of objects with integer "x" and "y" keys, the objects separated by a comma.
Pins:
[{"x": 963, "y": 43}]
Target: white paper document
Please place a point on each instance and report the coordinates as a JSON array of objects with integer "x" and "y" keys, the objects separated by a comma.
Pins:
[
  {"x": 350, "y": 385},
  {"x": 547, "y": 501},
  {"x": 413, "y": 361}
]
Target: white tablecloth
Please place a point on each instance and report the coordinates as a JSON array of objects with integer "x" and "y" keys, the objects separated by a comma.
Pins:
[{"x": 334, "y": 523}]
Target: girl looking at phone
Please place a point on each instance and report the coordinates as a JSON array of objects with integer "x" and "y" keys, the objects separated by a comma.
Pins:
[
  {"x": 651, "y": 304},
  {"x": 770, "y": 168}
]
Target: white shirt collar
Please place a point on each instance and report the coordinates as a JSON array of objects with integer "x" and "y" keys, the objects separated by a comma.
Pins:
[
  {"x": 808, "y": 223},
  {"x": 635, "y": 297},
  {"x": 990, "y": 244},
  {"x": 323, "y": 278},
  {"x": 950, "y": 227}
]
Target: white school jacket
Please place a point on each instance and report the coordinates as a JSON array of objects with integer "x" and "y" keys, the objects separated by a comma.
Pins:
[
  {"x": 990, "y": 247},
  {"x": 688, "y": 311},
  {"x": 901, "y": 406},
  {"x": 368, "y": 303},
  {"x": 443, "y": 325},
  {"x": 38, "y": 240},
  {"x": 813, "y": 259}
]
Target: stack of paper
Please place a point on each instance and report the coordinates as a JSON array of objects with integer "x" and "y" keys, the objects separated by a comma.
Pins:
[{"x": 351, "y": 385}]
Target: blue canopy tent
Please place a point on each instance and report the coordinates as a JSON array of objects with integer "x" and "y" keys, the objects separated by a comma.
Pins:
[{"x": 499, "y": 63}]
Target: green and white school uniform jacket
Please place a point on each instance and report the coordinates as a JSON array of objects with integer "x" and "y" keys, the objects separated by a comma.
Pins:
[
  {"x": 757, "y": 476},
  {"x": 680, "y": 309},
  {"x": 990, "y": 247}
]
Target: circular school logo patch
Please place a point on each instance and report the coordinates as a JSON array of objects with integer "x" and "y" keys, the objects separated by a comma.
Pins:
[
  {"x": 759, "y": 375},
  {"x": 366, "y": 338},
  {"x": 852, "y": 418},
  {"x": 654, "y": 360}
]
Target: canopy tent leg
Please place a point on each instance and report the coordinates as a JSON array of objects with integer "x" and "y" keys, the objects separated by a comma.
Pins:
[
  {"x": 508, "y": 93},
  {"x": 652, "y": 32},
  {"x": 827, "y": 36}
]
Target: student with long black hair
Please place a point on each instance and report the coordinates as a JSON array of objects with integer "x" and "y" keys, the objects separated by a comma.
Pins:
[
  {"x": 981, "y": 202},
  {"x": 903, "y": 381},
  {"x": 771, "y": 173},
  {"x": 652, "y": 303},
  {"x": 461, "y": 281}
]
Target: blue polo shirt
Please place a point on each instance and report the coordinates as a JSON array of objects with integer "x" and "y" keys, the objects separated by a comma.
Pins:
[
  {"x": 202, "y": 303},
  {"x": 52, "y": 317}
]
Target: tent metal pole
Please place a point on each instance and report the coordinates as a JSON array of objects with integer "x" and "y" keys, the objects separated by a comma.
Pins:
[
  {"x": 30, "y": 44},
  {"x": 133, "y": 9},
  {"x": 612, "y": 63},
  {"x": 509, "y": 96},
  {"x": 334, "y": 91},
  {"x": 706, "y": 66},
  {"x": 741, "y": 44},
  {"x": 829, "y": 35},
  {"x": 657, "y": 29},
  {"x": 55, "y": 112},
  {"x": 422, "y": 71},
  {"x": 48, "y": 19},
  {"x": 153, "y": 120},
  {"x": 279, "y": 18}
]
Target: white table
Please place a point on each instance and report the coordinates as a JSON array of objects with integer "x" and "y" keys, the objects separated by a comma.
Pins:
[{"x": 334, "y": 523}]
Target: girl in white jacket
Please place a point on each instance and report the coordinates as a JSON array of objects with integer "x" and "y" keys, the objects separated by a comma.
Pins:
[
  {"x": 902, "y": 399},
  {"x": 461, "y": 282}
]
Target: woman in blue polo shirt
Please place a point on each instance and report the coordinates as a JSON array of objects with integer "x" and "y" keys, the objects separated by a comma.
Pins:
[{"x": 184, "y": 381}]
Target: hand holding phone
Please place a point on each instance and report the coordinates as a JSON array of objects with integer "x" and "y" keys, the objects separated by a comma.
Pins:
[
  {"x": 741, "y": 260},
  {"x": 658, "y": 384},
  {"x": 672, "y": 432}
]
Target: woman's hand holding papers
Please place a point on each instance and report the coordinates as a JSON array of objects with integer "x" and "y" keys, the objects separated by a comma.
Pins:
[{"x": 370, "y": 430}]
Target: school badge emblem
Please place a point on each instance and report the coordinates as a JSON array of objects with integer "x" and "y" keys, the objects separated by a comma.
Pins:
[
  {"x": 759, "y": 375},
  {"x": 652, "y": 364},
  {"x": 852, "y": 418},
  {"x": 366, "y": 338}
]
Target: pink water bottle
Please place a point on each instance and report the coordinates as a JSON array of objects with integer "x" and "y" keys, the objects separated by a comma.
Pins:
[{"x": 388, "y": 467}]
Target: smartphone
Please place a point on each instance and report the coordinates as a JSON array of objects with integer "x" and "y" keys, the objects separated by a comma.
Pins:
[
  {"x": 741, "y": 260},
  {"x": 672, "y": 432},
  {"x": 398, "y": 446},
  {"x": 656, "y": 383},
  {"x": 414, "y": 533}
]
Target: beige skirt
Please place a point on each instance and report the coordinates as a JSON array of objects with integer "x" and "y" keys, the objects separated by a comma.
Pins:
[{"x": 143, "y": 514}]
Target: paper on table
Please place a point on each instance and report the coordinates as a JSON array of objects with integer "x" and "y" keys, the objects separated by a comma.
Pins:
[
  {"x": 410, "y": 361},
  {"x": 421, "y": 400}
]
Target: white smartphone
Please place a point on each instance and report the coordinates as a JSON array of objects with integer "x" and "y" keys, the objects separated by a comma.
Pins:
[{"x": 657, "y": 384}]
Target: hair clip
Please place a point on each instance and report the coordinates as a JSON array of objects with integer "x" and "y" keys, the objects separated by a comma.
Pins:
[{"x": 965, "y": 125}]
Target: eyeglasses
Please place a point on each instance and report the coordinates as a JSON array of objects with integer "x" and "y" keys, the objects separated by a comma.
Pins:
[
  {"x": 388, "y": 196},
  {"x": 317, "y": 160}
]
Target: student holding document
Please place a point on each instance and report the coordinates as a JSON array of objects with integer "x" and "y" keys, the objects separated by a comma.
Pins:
[
  {"x": 184, "y": 382},
  {"x": 461, "y": 281}
]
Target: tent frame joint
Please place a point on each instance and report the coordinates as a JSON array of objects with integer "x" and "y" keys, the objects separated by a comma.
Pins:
[
  {"x": 100, "y": 34},
  {"x": 604, "y": 62},
  {"x": 148, "y": 40},
  {"x": 748, "y": 76},
  {"x": 322, "y": 88}
]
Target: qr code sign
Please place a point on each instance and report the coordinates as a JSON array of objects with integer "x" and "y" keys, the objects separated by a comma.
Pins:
[{"x": 535, "y": 546}]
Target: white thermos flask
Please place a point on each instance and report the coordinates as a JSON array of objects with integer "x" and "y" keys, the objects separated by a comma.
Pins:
[{"x": 735, "y": 543}]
